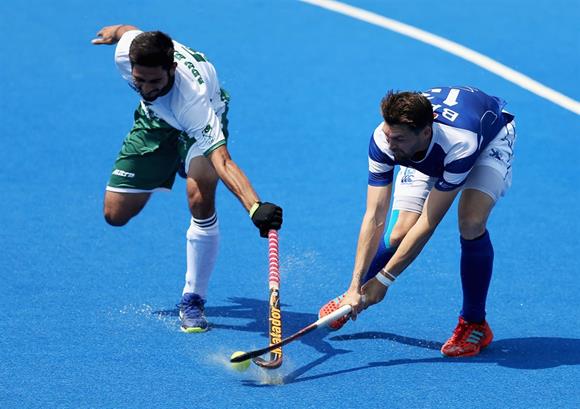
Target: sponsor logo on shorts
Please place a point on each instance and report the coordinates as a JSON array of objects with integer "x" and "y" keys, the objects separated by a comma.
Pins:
[
  {"x": 407, "y": 177},
  {"x": 206, "y": 131},
  {"x": 509, "y": 140},
  {"x": 496, "y": 154},
  {"x": 123, "y": 174}
]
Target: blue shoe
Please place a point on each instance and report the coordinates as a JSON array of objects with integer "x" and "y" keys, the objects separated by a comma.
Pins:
[{"x": 191, "y": 310}]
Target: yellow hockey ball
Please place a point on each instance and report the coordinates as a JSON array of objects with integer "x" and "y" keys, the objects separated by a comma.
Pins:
[{"x": 240, "y": 366}]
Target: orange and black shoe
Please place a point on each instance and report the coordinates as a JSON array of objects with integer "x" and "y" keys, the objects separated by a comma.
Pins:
[
  {"x": 468, "y": 339},
  {"x": 332, "y": 306}
]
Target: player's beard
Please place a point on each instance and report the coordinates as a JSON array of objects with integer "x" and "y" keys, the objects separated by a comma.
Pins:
[
  {"x": 400, "y": 156},
  {"x": 153, "y": 96}
]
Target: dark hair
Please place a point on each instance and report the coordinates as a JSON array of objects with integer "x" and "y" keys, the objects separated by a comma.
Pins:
[
  {"x": 152, "y": 49},
  {"x": 407, "y": 108}
]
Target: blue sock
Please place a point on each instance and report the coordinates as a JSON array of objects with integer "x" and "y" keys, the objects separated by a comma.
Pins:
[
  {"x": 476, "y": 269},
  {"x": 384, "y": 252},
  {"x": 382, "y": 257}
]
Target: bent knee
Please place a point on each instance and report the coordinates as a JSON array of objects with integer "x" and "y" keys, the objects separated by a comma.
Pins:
[
  {"x": 471, "y": 227},
  {"x": 399, "y": 231},
  {"x": 116, "y": 221},
  {"x": 119, "y": 208},
  {"x": 397, "y": 236},
  {"x": 116, "y": 217},
  {"x": 405, "y": 220}
]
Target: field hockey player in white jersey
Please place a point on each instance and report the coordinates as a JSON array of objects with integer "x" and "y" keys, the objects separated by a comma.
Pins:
[
  {"x": 447, "y": 141},
  {"x": 180, "y": 124}
]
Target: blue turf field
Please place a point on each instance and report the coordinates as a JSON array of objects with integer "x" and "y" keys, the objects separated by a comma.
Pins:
[{"x": 88, "y": 317}]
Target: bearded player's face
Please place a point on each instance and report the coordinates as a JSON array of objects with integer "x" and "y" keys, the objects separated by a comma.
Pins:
[
  {"x": 404, "y": 142},
  {"x": 152, "y": 82}
]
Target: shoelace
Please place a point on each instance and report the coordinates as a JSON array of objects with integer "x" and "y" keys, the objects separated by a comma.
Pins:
[
  {"x": 461, "y": 332},
  {"x": 192, "y": 309}
]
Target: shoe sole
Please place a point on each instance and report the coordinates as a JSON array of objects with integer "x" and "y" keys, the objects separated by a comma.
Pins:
[
  {"x": 193, "y": 330},
  {"x": 466, "y": 355}
]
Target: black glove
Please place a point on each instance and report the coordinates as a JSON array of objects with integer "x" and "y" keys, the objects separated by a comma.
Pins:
[{"x": 266, "y": 216}]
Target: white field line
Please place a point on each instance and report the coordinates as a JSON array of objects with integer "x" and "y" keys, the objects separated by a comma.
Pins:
[{"x": 452, "y": 48}]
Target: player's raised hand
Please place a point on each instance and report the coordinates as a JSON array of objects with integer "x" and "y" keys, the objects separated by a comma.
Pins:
[
  {"x": 107, "y": 35},
  {"x": 111, "y": 34}
]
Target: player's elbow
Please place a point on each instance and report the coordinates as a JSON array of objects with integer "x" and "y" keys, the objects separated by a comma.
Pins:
[
  {"x": 374, "y": 220},
  {"x": 376, "y": 216}
]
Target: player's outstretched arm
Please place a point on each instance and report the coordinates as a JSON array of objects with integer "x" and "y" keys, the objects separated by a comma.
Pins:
[
  {"x": 112, "y": 34},
  {"x": 371, "y": 231},
  {"x": 266, "y": 216},
  {"x": 435, "y": 208}
]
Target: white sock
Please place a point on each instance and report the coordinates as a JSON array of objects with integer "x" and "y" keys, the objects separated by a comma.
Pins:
[{"x": 202, "y": 249}]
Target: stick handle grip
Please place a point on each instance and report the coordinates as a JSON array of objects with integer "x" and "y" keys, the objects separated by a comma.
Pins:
[
  {"x": 342, "y": 311},
  {"x": 273, "y": 260}
]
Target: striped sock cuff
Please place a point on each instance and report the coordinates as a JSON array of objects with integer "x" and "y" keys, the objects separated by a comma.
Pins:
[{"x": 205, "y": 223}]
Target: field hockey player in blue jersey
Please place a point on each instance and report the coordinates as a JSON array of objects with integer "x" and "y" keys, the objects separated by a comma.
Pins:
[
  {"x": 180, "y": 123},
  {"x": 448, "y": 141}
]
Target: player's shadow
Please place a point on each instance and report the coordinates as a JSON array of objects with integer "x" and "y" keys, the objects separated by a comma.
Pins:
[
  {"x": 532, "y": 353},
  {"x": 254, "y": 314},
  {"x": 519, "y": 353},
  {"x": 516, "y": 353}
]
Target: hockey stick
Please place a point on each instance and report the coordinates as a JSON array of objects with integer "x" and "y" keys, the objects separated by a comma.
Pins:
[
  {"x": 342, "y": 311},
  {"x": 274, "y": 316}
]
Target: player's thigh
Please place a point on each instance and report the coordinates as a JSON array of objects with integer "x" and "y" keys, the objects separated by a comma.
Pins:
[
  {"x": 133, "y": 179},
  {"x": 492, "y": 171},
  {"x": 202, "y": 181},
  {"x": 486, "y": 183},
  {"x": 202, "y": 178},
  {"x": 411, "y": 190},
  {"x": 410, "y": 193},
  {"x": 483, "y": 188},
  {"x": 148, "y": 159},
  {"x": 474, "y": 210}
]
